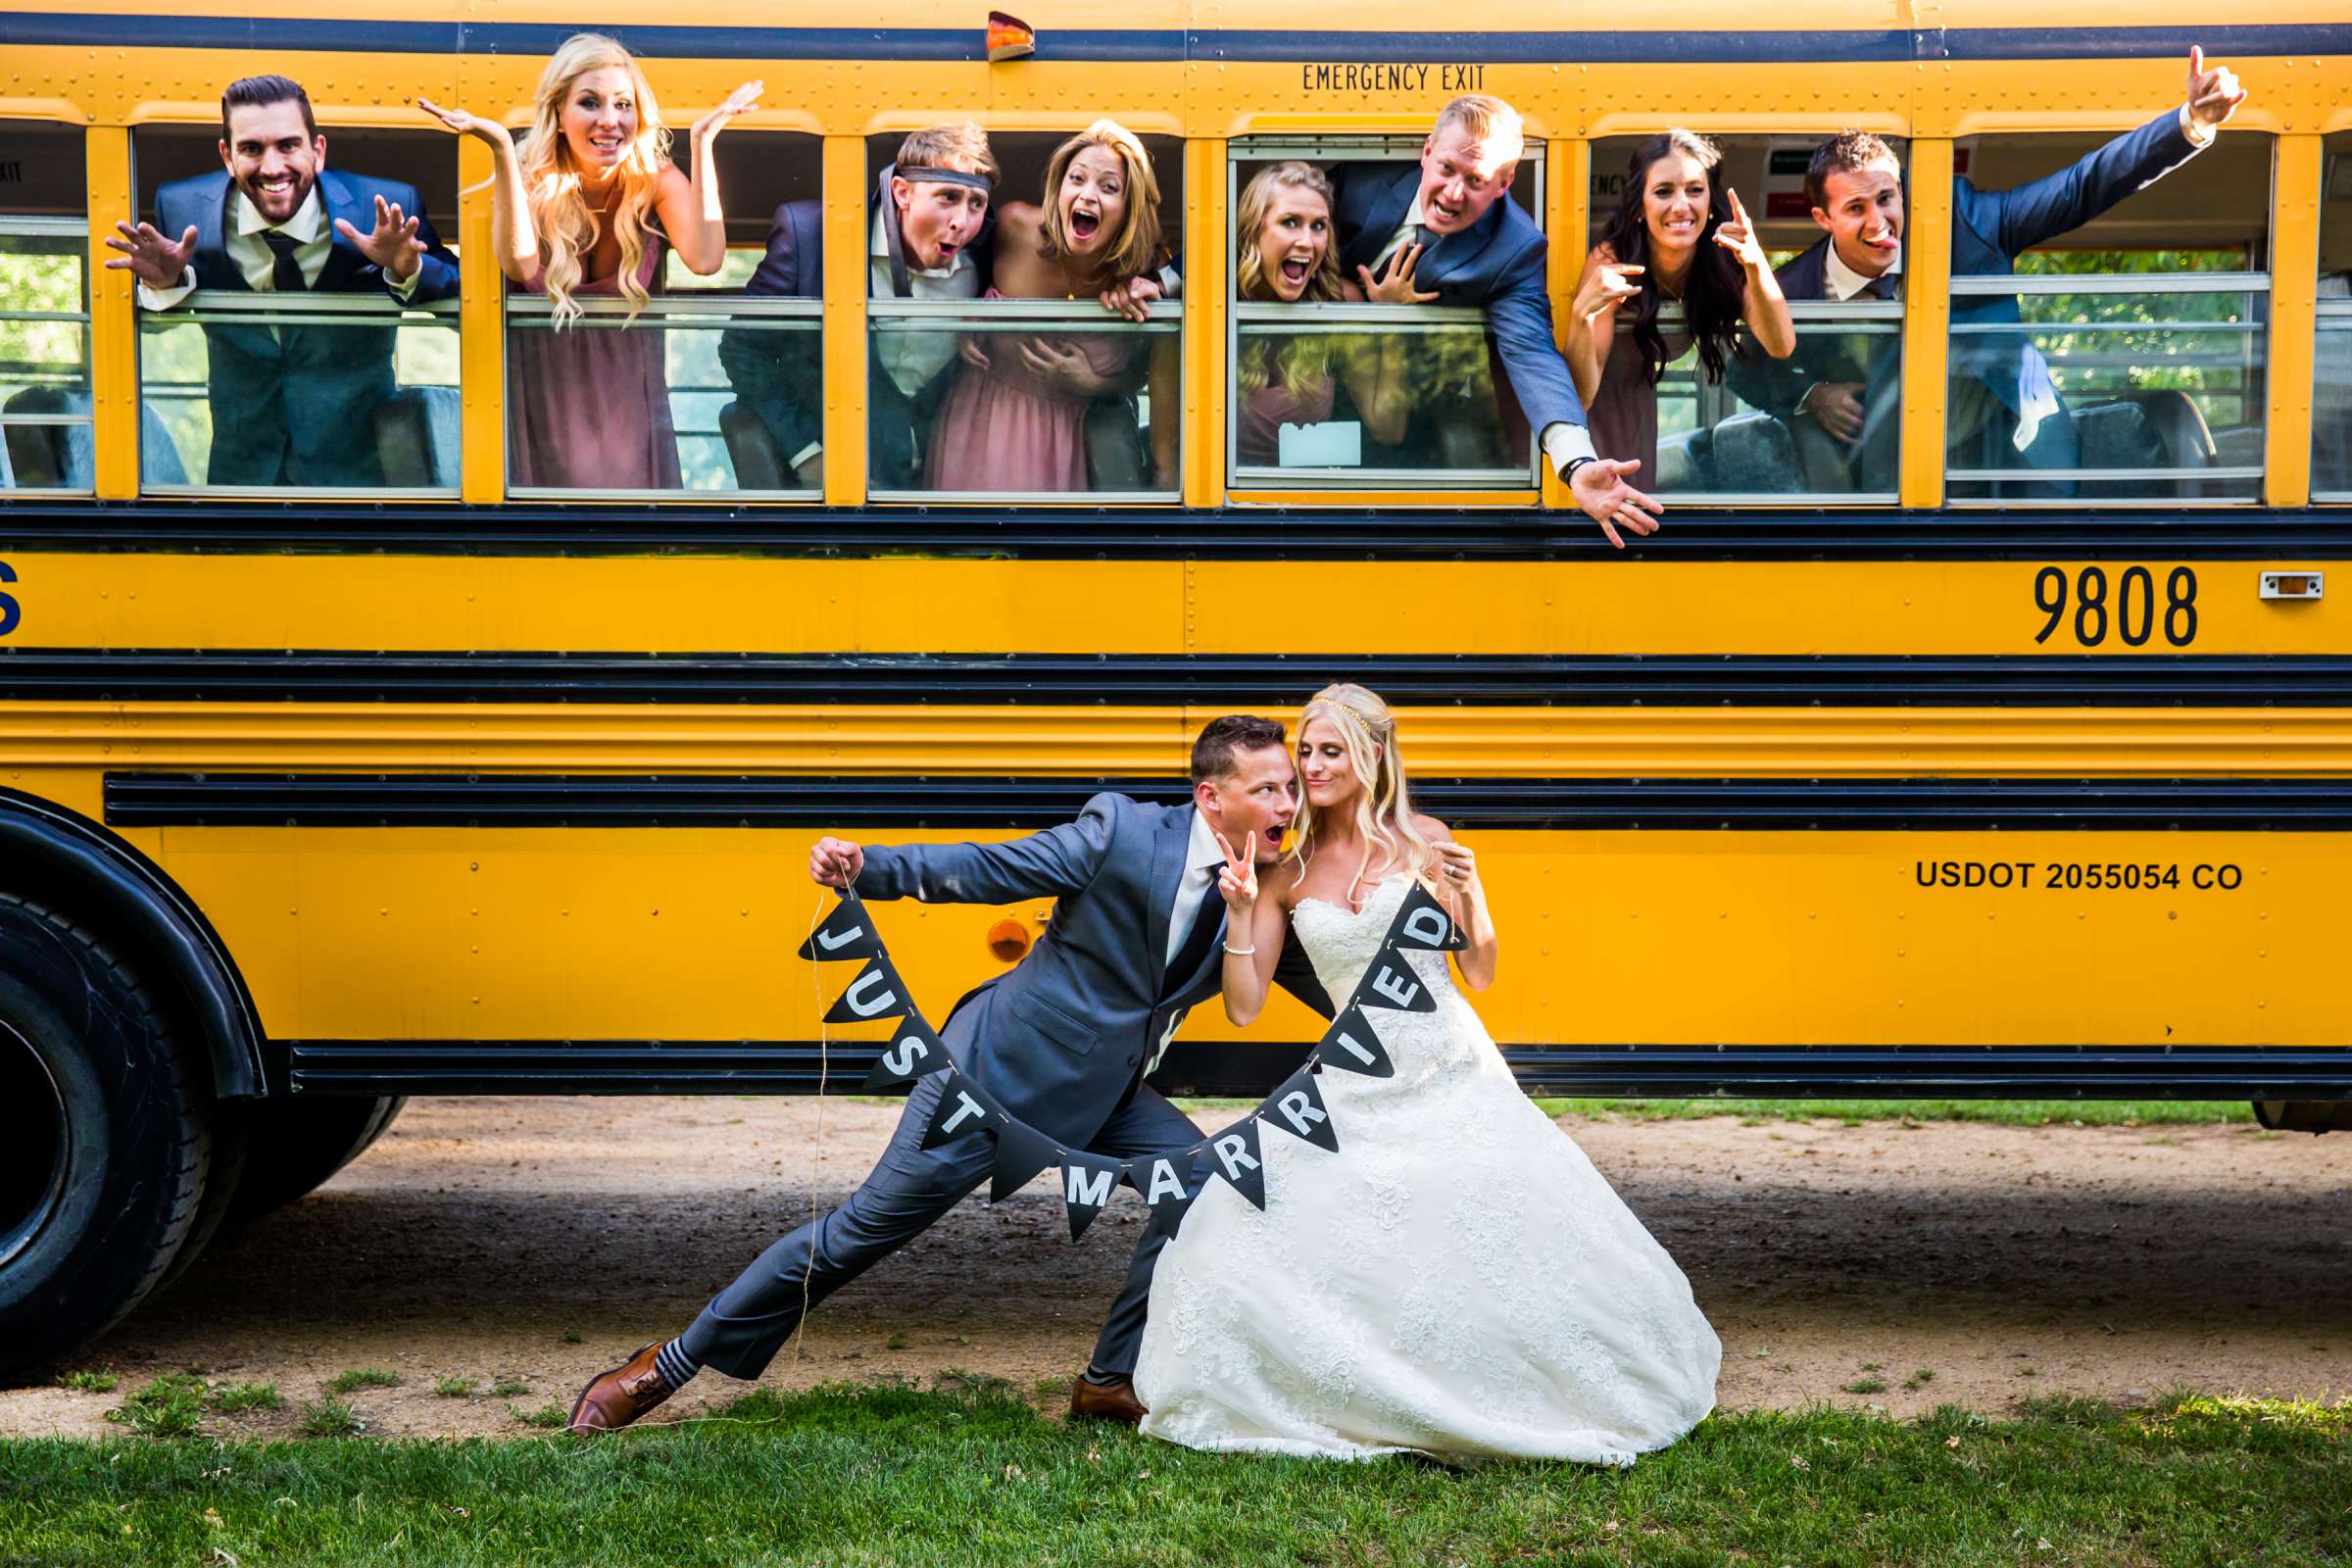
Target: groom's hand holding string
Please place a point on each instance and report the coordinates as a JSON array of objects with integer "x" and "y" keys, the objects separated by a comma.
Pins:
[{"x": 835, "y": 863}]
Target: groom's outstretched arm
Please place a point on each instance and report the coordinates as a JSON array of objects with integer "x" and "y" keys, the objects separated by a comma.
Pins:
[{"x": 1059, "y": 861}]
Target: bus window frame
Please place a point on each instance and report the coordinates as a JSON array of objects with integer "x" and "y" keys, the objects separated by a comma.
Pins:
[
  {"x": 1982, "y": 284},
  {"x": 204, "y": 306},
  {"x": 1091, "y": 318},
  {"x": 39, "y": 226},
  {"x": 522, "y": 304},
  {"x": 1258, "y": 486}
]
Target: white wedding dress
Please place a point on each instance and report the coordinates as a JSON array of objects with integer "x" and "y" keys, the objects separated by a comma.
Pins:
[{"x": 1457, "y": 1280}]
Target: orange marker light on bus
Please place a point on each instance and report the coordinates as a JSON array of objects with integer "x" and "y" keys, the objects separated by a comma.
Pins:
[{"x": 1009, "y": 37}]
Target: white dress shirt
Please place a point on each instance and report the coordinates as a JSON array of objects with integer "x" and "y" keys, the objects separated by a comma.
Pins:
[
  {"x": 1202, "y": 858},
  {"x": 314, "y": 240},
  {"x": 1844, "y": 283},
  {"x": 1562, "y": 443}
]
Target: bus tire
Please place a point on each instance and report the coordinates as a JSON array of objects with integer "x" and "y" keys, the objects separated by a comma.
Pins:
[
  {"x": 108, "y": 1142},
  {"x": 297, "y": 1144}
]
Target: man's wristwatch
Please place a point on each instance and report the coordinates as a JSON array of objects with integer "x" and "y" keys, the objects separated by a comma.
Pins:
[{"x": 1568, "y": 474}]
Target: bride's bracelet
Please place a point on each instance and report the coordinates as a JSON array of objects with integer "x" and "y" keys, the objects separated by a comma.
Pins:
[{"x": 1239, "y": 953}]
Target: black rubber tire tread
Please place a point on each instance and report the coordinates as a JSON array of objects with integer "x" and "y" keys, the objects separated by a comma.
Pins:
[
  {"x": 146, "y": 1234},
  {"x": 232, "y": 1139},
  {"x": 297, "y": 1144}
]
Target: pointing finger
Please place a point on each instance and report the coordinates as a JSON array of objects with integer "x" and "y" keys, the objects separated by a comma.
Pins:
[
  {"x": 1250, "y": 850},
  {"x": 2197, "y": 61},
  {"x": 1738, "y": 213}
]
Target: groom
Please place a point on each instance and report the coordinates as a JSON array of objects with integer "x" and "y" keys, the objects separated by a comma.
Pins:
[{"x": 1063, "y": 1040}]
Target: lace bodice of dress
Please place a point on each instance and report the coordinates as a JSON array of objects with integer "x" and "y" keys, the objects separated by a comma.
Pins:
[{"x": 1342, "y": 942}]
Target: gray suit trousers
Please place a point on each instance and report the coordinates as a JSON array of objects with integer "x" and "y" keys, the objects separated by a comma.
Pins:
[{"x": 740, "y": 1331}]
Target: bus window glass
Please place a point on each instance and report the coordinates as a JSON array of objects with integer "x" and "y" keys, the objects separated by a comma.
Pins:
[
  {"x": 296, "y": 370},
  {"x": 2124, "y": 358},
  {"x": 708, "y": 385},
  {"x": 2331, "y": 408},
  {"x": 1329, "y": 391},
  {"x": 44, "y": 310},
  {"x": 1821, "y": 425},
  {"x": 974, "y": 392}
]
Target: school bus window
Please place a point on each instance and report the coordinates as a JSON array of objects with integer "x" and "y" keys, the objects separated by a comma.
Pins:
[
  {"x": 2124, "y": 358},
  {"x": 1330, "y": 389},
  {"x": 279, "y": 360},
  {"x": 2332, "y": 406},
  {"x": 1678, "y": 372},
  {"x": 45, "y": 441},
  {"x": 995, "y": 369},
  {"x": 686, "y": 382}
]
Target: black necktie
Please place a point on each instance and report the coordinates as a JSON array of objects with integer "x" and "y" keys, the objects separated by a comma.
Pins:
[
  {"x": 285, "y": 272},
  {"x": 1880, "y": 287},
  {"x": 1198, "y": 940}
]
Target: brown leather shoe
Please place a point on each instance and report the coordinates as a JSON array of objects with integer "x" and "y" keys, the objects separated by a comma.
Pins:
[
  {"x": 615, "y": 1398},
  {"x": 1106, "y": 1402}
]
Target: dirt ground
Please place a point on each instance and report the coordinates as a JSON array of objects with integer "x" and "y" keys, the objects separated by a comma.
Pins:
[{"x": 539, "y": 1240}]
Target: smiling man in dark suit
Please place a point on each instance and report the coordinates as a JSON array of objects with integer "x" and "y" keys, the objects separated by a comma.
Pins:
[
  {"x": 293, "y": 403},
  {"x": 1446, "y": 230},
  {"x": 2004, "y": 410}
]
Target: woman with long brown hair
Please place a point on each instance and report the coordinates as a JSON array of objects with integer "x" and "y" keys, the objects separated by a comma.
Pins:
[
  {"x": 584, "y": 211},
  {"x": 1680, "y": 235},
  {"x": 1456, "y": 1279}
]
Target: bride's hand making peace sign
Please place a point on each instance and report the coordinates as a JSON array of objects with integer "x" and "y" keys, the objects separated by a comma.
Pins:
[{"x": 1237, "y": 880}]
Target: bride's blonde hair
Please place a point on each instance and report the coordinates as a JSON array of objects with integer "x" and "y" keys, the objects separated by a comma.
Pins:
[
  {"x": 1383, "y": 802},
  {"x": 551, "y": 176}
]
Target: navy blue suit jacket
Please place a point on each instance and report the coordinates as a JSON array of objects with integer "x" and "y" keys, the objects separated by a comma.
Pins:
[
  {"x": 1496, "y": 263},
  {"x": 1990, "y": 229},
  {"x": 297, "y": 406}
]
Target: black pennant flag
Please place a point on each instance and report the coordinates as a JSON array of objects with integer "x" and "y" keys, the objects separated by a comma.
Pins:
[
  {"x": 1422, "y": 923},
  {"x": 1351, "y": 1045},
  {"x": 1234, "y": 1154},
  {"x": 1392, "y": 984},
  {"x": 1164, "y": 1180},
  {"x": 915, "y": 1052},
  {"x": 876, "y": 992},
  {"x": 1086, "y": 1183},
  {"x": 964, "y": 1109},
  {"x": 846, "y": 934},
  {"x": 1022, "y": 1152},
  {"x": 1297, "y": 1108}
]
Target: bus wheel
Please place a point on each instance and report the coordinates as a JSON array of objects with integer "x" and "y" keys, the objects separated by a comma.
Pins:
[
  {"x": 294, "y": 1145},
  {"x": 108, "y": 1140}
]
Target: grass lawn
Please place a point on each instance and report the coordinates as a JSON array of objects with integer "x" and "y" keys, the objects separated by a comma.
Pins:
[{"x": 973, "y": 1474}]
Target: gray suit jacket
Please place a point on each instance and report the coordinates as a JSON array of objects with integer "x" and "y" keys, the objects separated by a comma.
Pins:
[{"x": 1059, "y": 1038}]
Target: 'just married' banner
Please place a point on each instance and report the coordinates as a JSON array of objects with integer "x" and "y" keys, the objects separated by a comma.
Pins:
[{"x": 1167, "y": 1182}]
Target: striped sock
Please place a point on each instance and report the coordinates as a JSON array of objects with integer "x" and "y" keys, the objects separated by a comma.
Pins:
[{"x": 675, "y": 1364}]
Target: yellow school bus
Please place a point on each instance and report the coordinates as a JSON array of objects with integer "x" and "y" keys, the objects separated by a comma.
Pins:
[{"x": 316, "y": 795}]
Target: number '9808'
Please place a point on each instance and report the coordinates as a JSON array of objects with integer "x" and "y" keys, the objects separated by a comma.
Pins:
[{"x": 2092, "y": 609}]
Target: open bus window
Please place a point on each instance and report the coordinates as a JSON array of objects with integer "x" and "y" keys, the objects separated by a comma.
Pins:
[
  {"x": 2124, "y": 358},
  {"x": 251, "y": 385},
  {"x": 45, "y": 441},
  {"x": 2331, "y": 404},
  {"x": 707, "y": 384},
  {"x": 1329, "y": 394},
  {"x": 972, "y": 398},
  {"x": 1822, "y": 425}
]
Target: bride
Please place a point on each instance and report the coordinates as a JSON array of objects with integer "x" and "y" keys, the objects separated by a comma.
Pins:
[{"x": 1457, "y": 1280}]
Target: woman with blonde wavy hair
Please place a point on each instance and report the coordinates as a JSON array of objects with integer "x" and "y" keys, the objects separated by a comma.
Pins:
[
  {"x": 583, "y": 211},
  {"x": 1287, "y": 257},
  {"x": 1454, "y": 1279},
  {"x": 1016, "y": 417}
]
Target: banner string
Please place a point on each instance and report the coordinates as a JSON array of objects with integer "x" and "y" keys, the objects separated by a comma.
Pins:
[{"x": 824, "y": 1063}]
